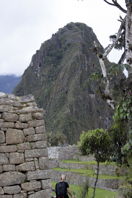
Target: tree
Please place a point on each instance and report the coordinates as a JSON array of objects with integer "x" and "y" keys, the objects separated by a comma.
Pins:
[
  {"x": 124, "y": 36},
  {"x": 96, "y": 142},
  {"x": 123, "y": 39}
]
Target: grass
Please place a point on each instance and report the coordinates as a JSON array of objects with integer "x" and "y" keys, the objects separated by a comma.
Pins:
[
  {"x": 87, "y": 162},
  {"x": 87, "y": 172},
  {"x": 100, "y": 193}
]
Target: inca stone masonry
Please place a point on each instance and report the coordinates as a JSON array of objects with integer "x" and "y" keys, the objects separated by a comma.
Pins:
[{"x": 23, "y": 149}]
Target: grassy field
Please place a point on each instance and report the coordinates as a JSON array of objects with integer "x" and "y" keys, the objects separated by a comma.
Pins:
[
  {"x": 88, "y": 162},
  {"x": 77, "y": 191},
  {"x": 87, "y": 172}
]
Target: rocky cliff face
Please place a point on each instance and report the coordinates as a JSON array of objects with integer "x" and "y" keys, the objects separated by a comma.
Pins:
[{"x": 64, "y": 78}]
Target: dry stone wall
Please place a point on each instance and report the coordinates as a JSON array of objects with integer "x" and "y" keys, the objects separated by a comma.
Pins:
[{"x": 24, "y": 166}]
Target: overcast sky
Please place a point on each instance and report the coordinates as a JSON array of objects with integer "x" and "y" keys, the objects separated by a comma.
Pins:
[{"x": 25, "y": 24}]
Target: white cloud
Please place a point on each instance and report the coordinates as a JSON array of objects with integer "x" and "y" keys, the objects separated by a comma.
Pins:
[{"x": 25, "y": 24}]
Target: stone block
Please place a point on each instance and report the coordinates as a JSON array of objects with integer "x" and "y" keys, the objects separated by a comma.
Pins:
[
  {"x": 2, "y": 137},
  {"x": 46, "y": 184},
  {"x": 29, "y": 131},
  {"x": 38, "y": 174},
  {"x": 6, "y": 108},
  {"x": 25, "y": 117},
  {"x": 39, "y": 144},
  {"x": 40, "y": 129},
  {"x": 38, "y": 115},
  {"x": 1, "y": 169},
  {"x": 30, "y": 186},
  {"x": 24, "y": 146},
  {"x": 1, "y": 191},
  {"x": 43, "y": 163},
  {"x": 11, "y": 178},
  {"x": 27, "y": 166},
  {"x": 29, "y": 159},
  {"x": 40, "y": 194},
  {"x": 10, "y": 117},
  {"x": 16, "y": 158},
  {"x": 7, "y": 125},
  {"x": 20, "y": 195},
  {"x": 36, "y": 163},
  {"x": 8, "y": 149},
  {"x": 6, "y": 196},
  {"x": 12, "y": 189},
  {"x": 3, "y": 158},
  {"x": 35, "y": 137},
  {"x": 36, "y": 153},
  {"x": 8, "y": 167},
  {"x": 14, "y": 136},
  {"x": 20, "y": 125},
  {"x": 36, "y": 123}
]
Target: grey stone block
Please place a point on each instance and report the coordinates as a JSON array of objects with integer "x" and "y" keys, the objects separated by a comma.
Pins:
[
  {"x": 11, "y": 178},
  {"x": 40, "y": 194},
  {"x": 31, "y": 186},
  {"x": 40, "y": 129},
  {"x": 1, "y": 191},
  {"x": 2, "y": 137},
  {"x": 10, "y": 117},
  {"x": 8, "y": 148},
  {"x": 35, "y": 137},
  {"x": 20, "y": 125},
  {"x": 25, "y": 117},
  {"x": 14, "y": 136},
  {"x": 38, "y": 174},
  {"x": 3, "y": 158},
  {"x": 8, "y": 167},
  {"x": 43, "y": 163},
  {"x": 16, "y": 158},
  {"x": 39, "y": 144},
  {"x": 38, "y": 115},
  {"x": 27, "y": 166},
  {"x": 36, "y": 153},
  {"x": 29, "y": 131},
  {"x": 24, "y": 146},
  {"x": 12, "y": 189},
  {"x": 36, "y": 123}
]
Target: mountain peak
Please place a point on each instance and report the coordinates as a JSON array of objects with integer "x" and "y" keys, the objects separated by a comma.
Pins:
[{"x": 60, "y": 78}]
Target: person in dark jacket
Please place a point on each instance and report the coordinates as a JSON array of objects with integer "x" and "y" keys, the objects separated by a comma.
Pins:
[{"x": 62, "y": 188}]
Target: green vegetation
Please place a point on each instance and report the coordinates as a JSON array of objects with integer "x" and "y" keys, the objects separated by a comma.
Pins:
[
  {"x": 98, "y": 143},
  {"x": 100, "y": 193},
  {"x": 89, "y": 162},
  {"x": 87, "y": 172}
]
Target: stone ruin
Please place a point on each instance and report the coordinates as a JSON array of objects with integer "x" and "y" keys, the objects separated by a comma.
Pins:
[{"x": 24, "y": 168}]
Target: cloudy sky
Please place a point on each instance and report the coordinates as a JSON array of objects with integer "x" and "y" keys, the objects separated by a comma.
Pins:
[{"x": 25, "y": 24}]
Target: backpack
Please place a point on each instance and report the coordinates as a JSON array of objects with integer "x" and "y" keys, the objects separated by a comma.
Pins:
[{"x": 61, "y": 190}]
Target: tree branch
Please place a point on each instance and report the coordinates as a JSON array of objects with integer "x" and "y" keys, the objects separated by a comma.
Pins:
[
  {"x": 110, "y": 46},
  {"x": 116, "y": 4},
  {"x": 122, "y": 58}
]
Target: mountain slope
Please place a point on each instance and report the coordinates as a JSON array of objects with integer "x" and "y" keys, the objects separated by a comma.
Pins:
[
  {"x": 8, "y": 83},
  {"x": 62, "y": 76}
]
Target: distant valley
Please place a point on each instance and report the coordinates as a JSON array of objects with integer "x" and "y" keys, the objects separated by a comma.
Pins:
[{"x": 8, "y": 82}]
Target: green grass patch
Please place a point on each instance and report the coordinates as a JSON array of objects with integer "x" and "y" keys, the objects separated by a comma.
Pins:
[
  {"x": 87, "y": 172},
  {"x": 87, "y": 162},
  {"x": 100, "y": 193}
]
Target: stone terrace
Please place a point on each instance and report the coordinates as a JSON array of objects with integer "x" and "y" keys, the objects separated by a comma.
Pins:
[{"x": 23, "y": 149}]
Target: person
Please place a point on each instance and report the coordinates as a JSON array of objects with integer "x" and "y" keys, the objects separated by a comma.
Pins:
[{"x": 62, "y": 188}]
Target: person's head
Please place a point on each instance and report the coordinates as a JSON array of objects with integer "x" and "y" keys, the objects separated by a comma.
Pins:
[{"x": 63, "y": 177}]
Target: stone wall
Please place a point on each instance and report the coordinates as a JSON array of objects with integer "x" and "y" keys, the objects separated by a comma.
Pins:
[
  {"x": 63, "y": 153},
  {"x": 23, "y": 149}
]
